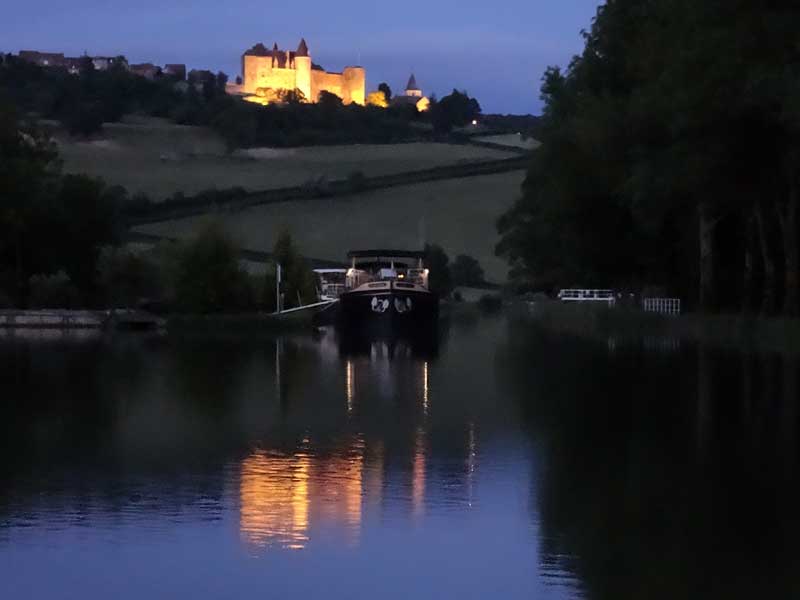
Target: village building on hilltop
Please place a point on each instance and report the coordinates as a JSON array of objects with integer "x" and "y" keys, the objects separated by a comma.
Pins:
[
  {"x": 101, "y": 63},
  {"x": 412, "y": 96},
  {"x": 266, "y": 74}
]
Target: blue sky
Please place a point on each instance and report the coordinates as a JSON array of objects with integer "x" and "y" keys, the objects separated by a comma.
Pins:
[{"x": 497, "y": 51}]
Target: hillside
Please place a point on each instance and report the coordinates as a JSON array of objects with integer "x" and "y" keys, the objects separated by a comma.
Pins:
[
  {"x": 458, "y": 214},
  {"x": 159, "y": 158}
]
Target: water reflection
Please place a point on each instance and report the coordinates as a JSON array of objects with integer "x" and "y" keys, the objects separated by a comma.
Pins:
[
  {"x": 668, "y": 468},
  {"x": 282, "y": 498},
  {"x": 274, "y": 499},
  {"x": 508, "y": 462}
]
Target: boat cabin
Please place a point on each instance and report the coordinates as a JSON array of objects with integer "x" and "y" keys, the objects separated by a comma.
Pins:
[{"x": 378, "y": 267}]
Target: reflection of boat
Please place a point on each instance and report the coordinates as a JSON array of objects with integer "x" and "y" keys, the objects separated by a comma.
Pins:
[
  {"x": 386, "y": 291},
  {"x": 422, "y": 344}
]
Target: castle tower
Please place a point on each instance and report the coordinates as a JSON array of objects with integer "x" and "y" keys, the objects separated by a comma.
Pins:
[
  {"x": 354, "y": 85},
  {"x": 302, "y": 65},
  {"x": 412, "y": 89}
]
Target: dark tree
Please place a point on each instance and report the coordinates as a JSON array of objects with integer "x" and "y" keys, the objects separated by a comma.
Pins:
[
  {"x": 676, "y": 170},
  {"x": 209, "y": 278},
  {"x": 387, "y": 91},
  {"x": 466, "y": 270},
  {"x": 455, "y": 110},
  {"x": 438, "y": 263}
]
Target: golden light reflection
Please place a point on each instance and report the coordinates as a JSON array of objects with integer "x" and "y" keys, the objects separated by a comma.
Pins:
[
  {"x": 274, "y": 499},
  {"x": 418, "y": 475},
  {"x": 425, "y": 388},
  {"x": 283, "y": 496},
  {"x": 349, "y": 386}
]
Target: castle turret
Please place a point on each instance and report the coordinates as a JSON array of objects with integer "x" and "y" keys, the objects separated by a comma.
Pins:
[
  {"x": 412, "y": 89},
  {"x": 302, "y": 65},
  {"x": 354, "y": 85}
]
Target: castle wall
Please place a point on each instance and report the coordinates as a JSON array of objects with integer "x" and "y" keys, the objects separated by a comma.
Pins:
[
  {"x": 253, "y": 68},
  {"x": 355, "y": 85},
  {"x": 258, "y": 72},
  {"x": 302, "y": 65},
  {"x": 279, "y": 79},
  {"x": 329, "y": 82}
]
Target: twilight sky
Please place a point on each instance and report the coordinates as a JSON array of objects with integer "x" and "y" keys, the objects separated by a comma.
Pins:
[{"x": 496, "y": 51}]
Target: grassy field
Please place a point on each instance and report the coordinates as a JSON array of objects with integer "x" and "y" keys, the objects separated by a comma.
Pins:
[
  {"x": 512, "y": 140},
  {"x": 160, "y": 158},
  {"x": 458, "y": 214}
]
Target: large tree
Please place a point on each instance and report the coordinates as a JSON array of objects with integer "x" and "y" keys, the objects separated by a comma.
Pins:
[{"x": 669, "y": 156}]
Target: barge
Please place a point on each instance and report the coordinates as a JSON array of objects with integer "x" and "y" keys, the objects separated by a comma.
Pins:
[{"x": 386, "y": 292}]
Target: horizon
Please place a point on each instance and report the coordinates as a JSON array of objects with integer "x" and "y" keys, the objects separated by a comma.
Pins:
[{"x": 447, "y": 52}]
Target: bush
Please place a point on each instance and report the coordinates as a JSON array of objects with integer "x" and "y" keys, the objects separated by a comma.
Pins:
[
  {"x": 52, "y": 291},
  {"x": 298, "y": 281},
  {"x": 356, "y": 182},
  {"x": 84, "y": 120},
  {"x": 466, "y": 271},
  {"x": 490, "y": 304},
  {"x": 208, "y": 276},
  {"x": 437, "y": 262},
  {"x": 127, "y": 279}
]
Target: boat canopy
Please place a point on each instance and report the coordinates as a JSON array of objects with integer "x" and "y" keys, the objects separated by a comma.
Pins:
[{"x": 386, "y": 254}]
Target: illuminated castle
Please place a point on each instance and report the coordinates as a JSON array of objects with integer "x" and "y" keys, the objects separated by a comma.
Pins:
[{"x": 268, "y": 73}]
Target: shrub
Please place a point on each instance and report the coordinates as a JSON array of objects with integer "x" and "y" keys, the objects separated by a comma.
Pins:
[
  {"x": 356, "y": 182},
  {"x": 126, "y": 279},
  {"x": 208, "y": 276},
  {"x": 489, "y": 303},
  {"x": 466, "y": 271},
  {"x": 297, "y": 278},
  {"x": 437, "y": 262},
  {"x": 52, "y": 291}
]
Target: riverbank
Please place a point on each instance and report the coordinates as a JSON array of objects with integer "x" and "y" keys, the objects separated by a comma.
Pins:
[{"x": 750, "y": 332}]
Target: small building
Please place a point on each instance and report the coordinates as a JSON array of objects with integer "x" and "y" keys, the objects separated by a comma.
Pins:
[
  {"x": 104, "y": 63},
  {"x": 412, "y": 96},
  {"x": 146, "y": 70},
  {"x": 176, "y": 71},
  {"x": 43, "y": 59}
]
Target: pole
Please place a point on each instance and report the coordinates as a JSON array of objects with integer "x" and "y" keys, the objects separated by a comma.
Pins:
[{"x": 278, "y": 289}]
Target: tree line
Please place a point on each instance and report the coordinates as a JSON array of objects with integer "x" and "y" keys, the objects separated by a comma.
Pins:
[
  {"x": 669, "y": 158},
  {"x": 82, "y": 102},
  {"x": 62, "y": 244}
]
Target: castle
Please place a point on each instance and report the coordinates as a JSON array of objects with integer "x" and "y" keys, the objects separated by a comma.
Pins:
[{"x": 267, "y": 72}]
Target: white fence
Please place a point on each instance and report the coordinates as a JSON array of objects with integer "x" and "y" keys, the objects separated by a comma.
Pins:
[
  {"x": 663, "y": 306},
  {"x": 585, "y": 295}
]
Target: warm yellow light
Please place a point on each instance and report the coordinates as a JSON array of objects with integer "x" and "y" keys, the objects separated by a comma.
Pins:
[
  {"x": 349, "y": 387},
  {"x": 377, "y": 98},
  {"x": 425, "y": 388},
  {"x": 257, "y": 100}
]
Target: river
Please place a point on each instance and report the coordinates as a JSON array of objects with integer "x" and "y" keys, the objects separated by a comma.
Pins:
[{"x": 503, "y": 462}]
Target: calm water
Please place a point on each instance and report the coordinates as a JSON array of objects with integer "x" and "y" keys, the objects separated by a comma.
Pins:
[{"x": 504, "y": 464}]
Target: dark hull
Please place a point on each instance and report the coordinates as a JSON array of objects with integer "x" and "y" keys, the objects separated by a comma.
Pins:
[{"x": 388, "y": 312}]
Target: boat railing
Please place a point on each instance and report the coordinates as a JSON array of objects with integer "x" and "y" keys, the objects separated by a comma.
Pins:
[{"x": 587, "y": 295}]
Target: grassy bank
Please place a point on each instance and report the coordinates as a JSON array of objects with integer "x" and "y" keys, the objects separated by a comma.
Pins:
[
  {"x": 734, "y": 331},
  {"x": 159, "y": 158},
  {"x": 457, "y": 214}
]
